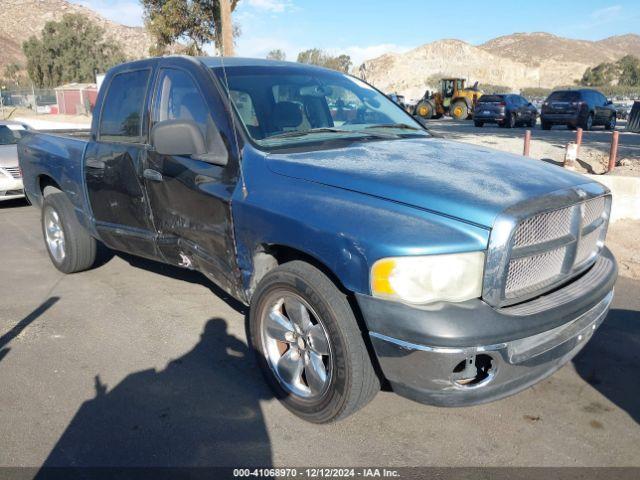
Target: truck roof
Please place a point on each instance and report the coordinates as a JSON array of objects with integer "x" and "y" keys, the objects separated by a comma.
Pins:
[
  {"x": 216, "y": 62},
  {"x": 213, "y": 62}
]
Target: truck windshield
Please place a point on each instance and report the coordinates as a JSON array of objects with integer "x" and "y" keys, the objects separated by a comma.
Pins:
[{"x": 280, "y": 106}]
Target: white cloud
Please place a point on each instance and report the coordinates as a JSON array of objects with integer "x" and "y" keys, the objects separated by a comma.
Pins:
[
  {"x": 606, "y": 14},
  {"x": 359, "y": 53},
  {"x": 273, "y": 6}
]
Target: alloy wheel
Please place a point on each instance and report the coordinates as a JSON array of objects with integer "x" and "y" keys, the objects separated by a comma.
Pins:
[
  {"x": 54, "y": 234},
  {"x": 296, "y": 345}
]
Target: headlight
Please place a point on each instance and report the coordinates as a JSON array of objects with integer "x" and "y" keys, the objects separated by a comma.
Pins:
[{"x": 419, "y": 280}]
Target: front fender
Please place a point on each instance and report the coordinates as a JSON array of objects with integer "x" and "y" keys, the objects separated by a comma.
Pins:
[{"x": 344, "y": 230}]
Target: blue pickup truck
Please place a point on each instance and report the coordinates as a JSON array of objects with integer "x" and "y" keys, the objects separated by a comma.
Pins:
[{"x": 371, "y": 253}]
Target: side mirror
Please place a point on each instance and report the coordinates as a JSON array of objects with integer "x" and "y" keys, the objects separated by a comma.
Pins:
[
  {"x": 184, "y": 138},
  {"x": 178, "y": 137},
  {"x": 609, "y": 102}
]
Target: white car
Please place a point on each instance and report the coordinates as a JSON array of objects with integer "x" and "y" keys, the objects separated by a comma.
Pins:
[{"x": 10, "y": 174}]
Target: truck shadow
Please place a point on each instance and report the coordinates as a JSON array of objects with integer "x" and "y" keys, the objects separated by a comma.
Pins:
[
  {"x": 203, "y": 409},
  {"x": 178, "y": 273},
  {"x": 609, "y": 362}
]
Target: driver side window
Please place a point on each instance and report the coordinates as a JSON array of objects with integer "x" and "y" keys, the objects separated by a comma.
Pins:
[{"x": 178, "y": 98}]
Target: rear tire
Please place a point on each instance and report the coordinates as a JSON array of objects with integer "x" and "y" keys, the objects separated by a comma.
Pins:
[
  {"x": 350, "y": 381},
  {"x": 545, "y": 125},
  {"x": 459, "y": 110},
  {"x": 588, "y": 123},
  {"x": 70, "y": 248},
  {"x": 478, "y": 123}
]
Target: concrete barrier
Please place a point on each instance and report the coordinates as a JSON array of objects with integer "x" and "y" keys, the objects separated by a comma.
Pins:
[{"x": 626, "y": 195}]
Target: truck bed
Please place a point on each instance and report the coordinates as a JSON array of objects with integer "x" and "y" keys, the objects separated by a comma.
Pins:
[{"x": 56, "y": 158}]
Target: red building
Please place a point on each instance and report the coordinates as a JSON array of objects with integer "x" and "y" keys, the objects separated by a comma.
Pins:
[{"x": 76, "y": 98}]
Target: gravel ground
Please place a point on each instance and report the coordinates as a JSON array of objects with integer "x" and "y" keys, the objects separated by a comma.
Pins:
[
  {"x": 551, "y": 144},
  {"x": 137, "y": 363}
]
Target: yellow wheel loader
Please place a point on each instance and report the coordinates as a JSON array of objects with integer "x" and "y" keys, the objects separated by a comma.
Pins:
[{"x": 452, "y": 99}]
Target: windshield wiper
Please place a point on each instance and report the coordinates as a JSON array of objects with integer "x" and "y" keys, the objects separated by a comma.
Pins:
[
  {"x": 302, "y": 133},
  {"x": 394, "y": 125}
]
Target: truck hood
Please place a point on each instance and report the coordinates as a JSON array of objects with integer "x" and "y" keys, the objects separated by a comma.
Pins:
[{"x": 456, "y": 179}]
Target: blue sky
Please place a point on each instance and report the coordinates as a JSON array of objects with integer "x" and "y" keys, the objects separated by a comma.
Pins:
[{"x": 367, "y": 28}]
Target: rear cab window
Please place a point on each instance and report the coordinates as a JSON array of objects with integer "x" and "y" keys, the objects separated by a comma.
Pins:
[{"x": 122, "y": 114}]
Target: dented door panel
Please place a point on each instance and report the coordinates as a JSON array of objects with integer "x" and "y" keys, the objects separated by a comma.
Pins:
[{"x": 192, "y": 215}]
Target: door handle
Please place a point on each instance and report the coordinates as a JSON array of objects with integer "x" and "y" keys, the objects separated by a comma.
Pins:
[{"x": 153, "y": 175}]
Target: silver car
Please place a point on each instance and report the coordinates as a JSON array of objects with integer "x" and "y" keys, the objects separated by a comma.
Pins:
[{"x": 10, "y": 174}]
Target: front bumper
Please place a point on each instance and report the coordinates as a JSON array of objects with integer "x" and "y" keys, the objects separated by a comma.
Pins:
[
  {"x": 489, "y": 118},
  {"x": 10, "y": 188},
  {"x": 522, "y": 344}
]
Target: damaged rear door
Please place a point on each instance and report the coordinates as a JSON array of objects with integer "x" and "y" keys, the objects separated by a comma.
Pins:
[{"x": 191, "y": 199}]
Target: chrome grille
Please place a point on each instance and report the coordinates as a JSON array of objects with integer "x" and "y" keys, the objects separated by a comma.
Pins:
[
  {"x": 593, "y": 210},
  {"x": 543, "y": 228},
  {"x": 588, "y": 245},
  {"x": 531, "y": 253},
  {"x": 534, "y": 272},
  {"x": 13, "y": 171}
]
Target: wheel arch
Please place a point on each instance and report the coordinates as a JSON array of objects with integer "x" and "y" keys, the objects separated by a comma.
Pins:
[
  {"x": 45, "y": 181},
  {"x": 271, "y": 255}
]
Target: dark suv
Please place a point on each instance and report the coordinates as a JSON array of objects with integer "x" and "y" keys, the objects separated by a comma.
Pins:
[
  {"x": 506, "y": 110},
  {"x": 578, "y": 108}
]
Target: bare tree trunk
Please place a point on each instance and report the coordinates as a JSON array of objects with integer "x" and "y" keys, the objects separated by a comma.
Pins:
[{"x": 226, "y": 28}]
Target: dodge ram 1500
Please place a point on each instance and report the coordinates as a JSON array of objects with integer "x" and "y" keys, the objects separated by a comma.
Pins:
[{"x": 370, "y": 252}]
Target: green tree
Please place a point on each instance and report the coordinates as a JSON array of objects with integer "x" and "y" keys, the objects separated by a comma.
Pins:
[
  {"x": 624, "y": 72},
  {"x": 276, "y": 54},
  {"x": 629, "y": 71},
  {"x": 71, "y": 50},
  {"x": 315, "y": 56},
  {"x": 194, "y": 22},
  {"x": 13, "y": 75}
]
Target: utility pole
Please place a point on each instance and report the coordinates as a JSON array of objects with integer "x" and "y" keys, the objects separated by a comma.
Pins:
[{"x": 226, "y": 28}]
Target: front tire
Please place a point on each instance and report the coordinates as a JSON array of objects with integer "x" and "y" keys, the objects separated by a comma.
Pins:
[
  {"x": 426, "y": 109},
  {"x": 308, "y": 344},
  {"x": 611, "y": 124},
  {"x": 70, "y": 248}
]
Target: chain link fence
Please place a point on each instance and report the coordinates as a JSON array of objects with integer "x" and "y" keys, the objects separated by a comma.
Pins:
[{"x": 39, "y": 100}]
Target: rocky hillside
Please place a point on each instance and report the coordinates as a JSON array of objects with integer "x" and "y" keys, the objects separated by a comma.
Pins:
[
  {"x": 20, "y": 19},
  {"x": 519, "y": 60}
]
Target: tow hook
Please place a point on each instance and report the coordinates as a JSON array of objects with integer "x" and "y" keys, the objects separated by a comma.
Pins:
[{"x": 468, "y": 374}]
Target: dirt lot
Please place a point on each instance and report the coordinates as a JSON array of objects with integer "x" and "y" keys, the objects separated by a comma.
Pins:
[
  {"x": 47, "y": 122},
  {"x": 137, "y": 363},
  {"x": 624, "y": 241},
  {"x": 550, "y": 145}
]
